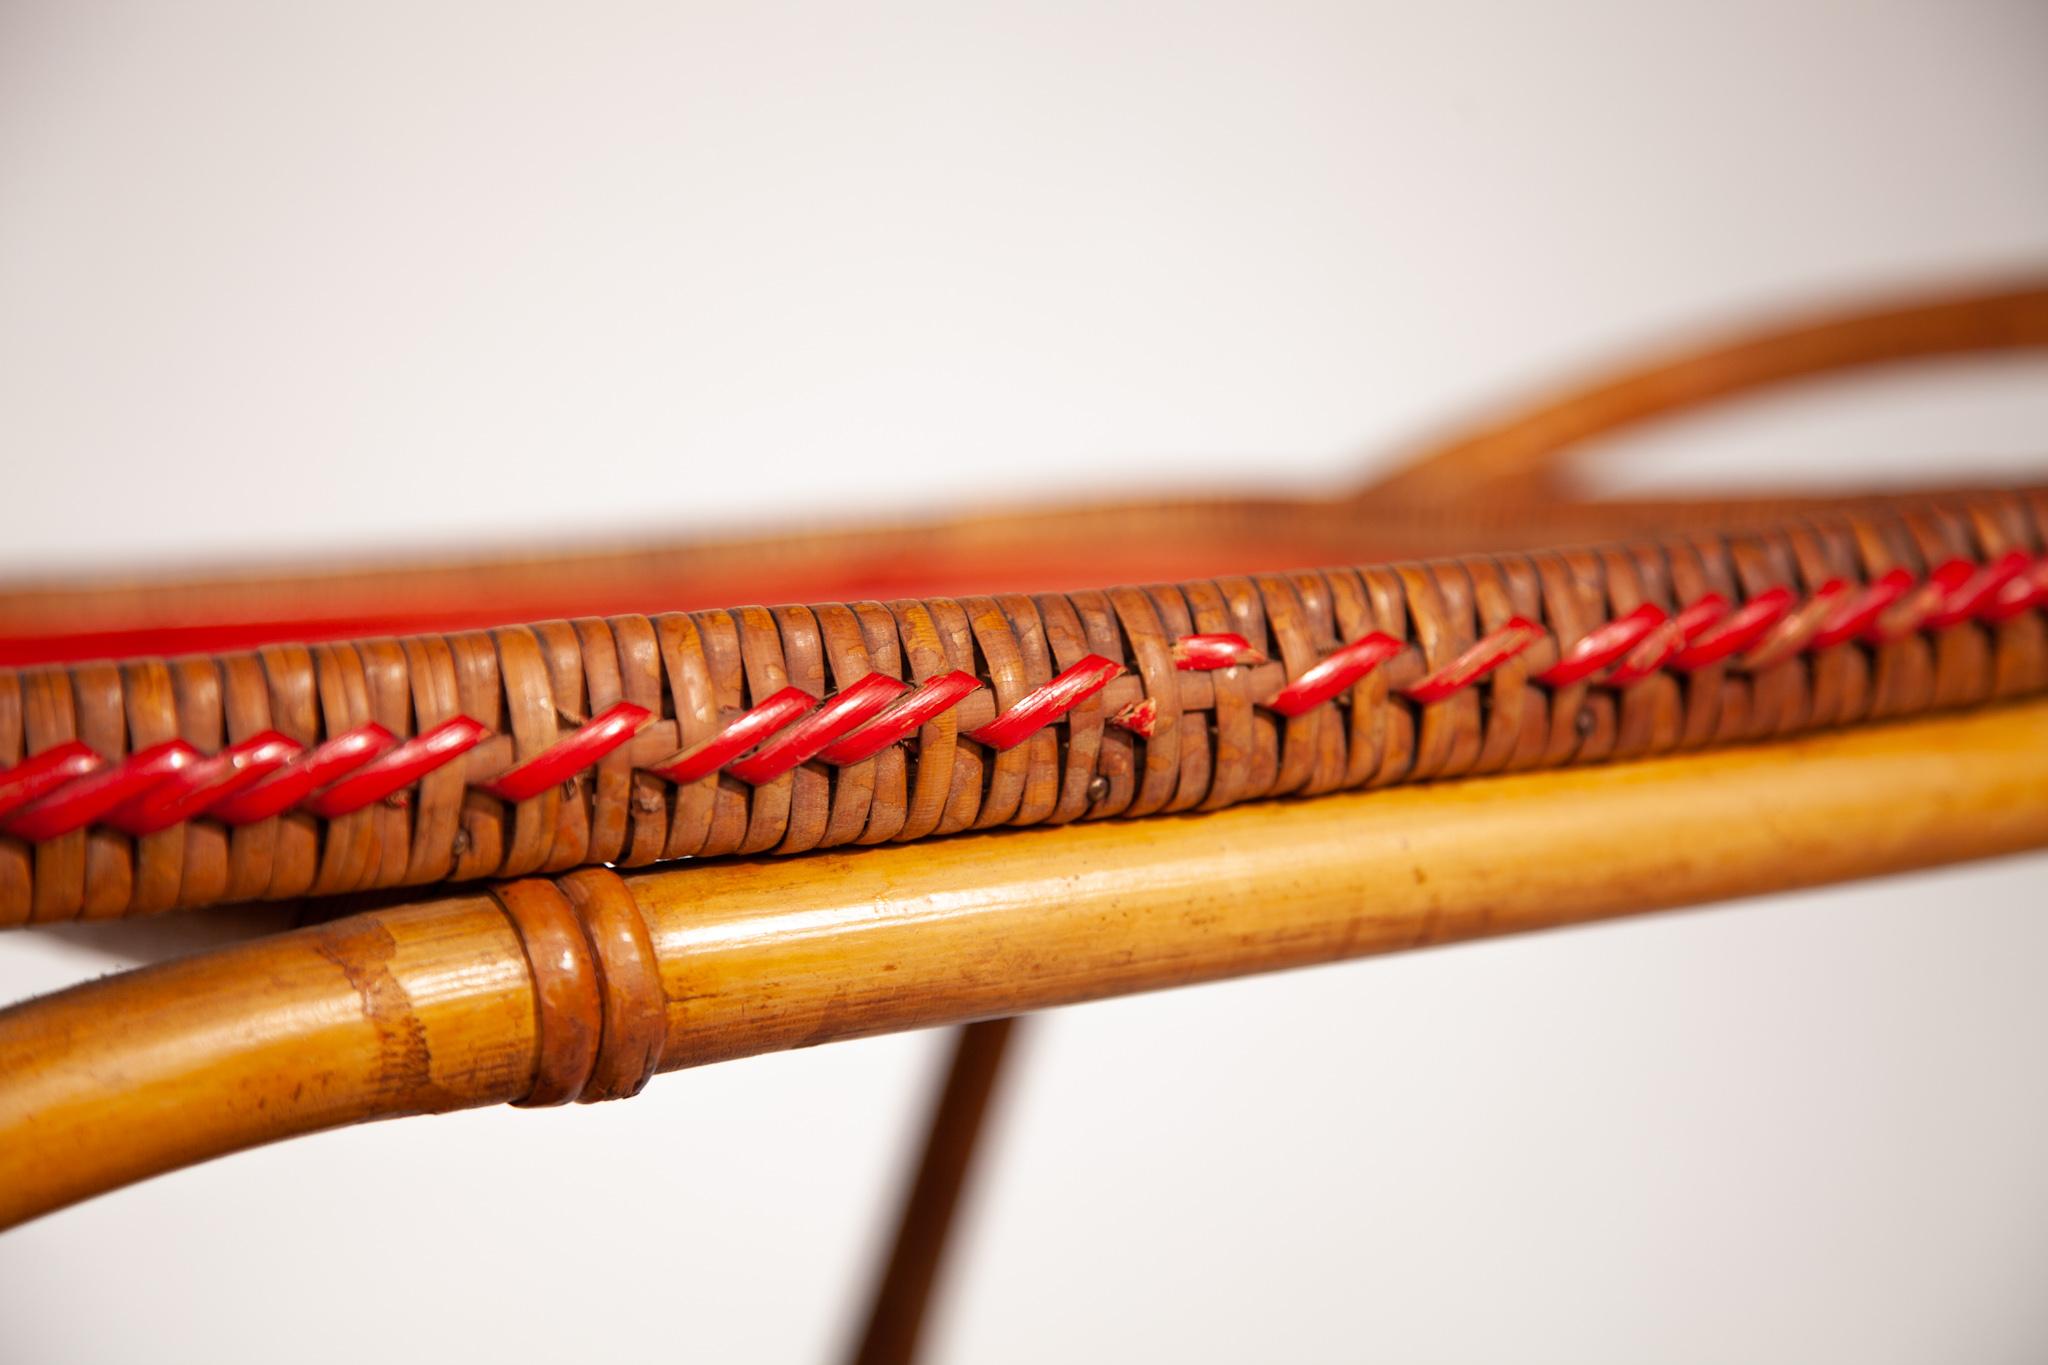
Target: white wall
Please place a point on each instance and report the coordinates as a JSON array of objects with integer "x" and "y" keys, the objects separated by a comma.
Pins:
[{"x": 278, "y": 279}]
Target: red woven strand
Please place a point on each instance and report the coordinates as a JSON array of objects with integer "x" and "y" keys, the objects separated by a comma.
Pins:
[
  {"x": 400, "y": 767},
  {"x": 191, "y": 792},
  {"x": 1203, "y": 653},
  {"x": 36, "y": 777},
  {"x": 803, "y": 741},
  {"x": 902, "y": 720},
  {"x": 1661, "y": 645},
  {"x": 1042, "y": 706},
  {"x": 84, "y": 800},
  {"x": 1602, "y": 645},
  {"x": 564, "y": 759},
  {"x": 1475, "y": 663},
  {"x": 1976, "y": 588},
  {"x": 1857, "y": 615},
  {"x": 1335, "y": 674},
  {"x": 2022, "y": 594},
  {"x": 1734, "y": 631},
  {"x": 693, "y": 765},
  {"x": 304, "y": 775}
]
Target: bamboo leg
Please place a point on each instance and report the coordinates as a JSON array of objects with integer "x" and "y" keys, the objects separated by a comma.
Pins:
[{"x": 896, "y": 1313}]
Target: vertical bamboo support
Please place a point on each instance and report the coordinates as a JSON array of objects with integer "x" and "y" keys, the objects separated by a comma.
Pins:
[{"x": 902, "y": 1297}]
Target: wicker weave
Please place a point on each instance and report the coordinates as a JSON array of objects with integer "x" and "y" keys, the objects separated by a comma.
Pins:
[{"x": 1206, "y": 739}]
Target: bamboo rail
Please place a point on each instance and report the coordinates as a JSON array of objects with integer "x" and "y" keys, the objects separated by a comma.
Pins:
[{"x": 433, "y": 1006}]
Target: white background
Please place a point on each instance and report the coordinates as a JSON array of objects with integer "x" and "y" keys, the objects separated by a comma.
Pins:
[{"x": 282, "y": 279}]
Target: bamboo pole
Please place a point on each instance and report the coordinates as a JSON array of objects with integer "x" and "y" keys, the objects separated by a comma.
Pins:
[
  {"x": 902, "y": 1297},
  {"x": 430, "y": 1007},
  {"x": 417, "y": 1010}
]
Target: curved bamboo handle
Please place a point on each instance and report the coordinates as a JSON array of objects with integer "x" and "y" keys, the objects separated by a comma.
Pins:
[
  {"x": 1520, "y": 458},
  {"x": 434, "y": 1007}
]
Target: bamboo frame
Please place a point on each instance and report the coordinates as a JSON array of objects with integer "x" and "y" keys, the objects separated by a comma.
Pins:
[
  {"x": 432, "y": 1007},
  {"x": 539, "y": 991}
]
